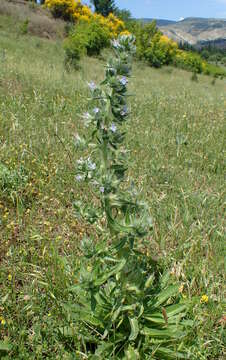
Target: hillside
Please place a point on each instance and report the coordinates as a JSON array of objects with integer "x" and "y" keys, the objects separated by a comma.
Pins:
[
  {"x": 195, "y": 31},
  {"x": 33, "y": 19}
]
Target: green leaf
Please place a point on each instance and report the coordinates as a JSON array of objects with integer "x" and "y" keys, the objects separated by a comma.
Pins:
[
  {"x": 162, "y": 333},
  {"x": 110, "y": 273},
  {"x": 149, "y": 281},
  {"x": 134, "y": 329},
  {"x": 173, "y": 310},
  {"x": 132, "y": 354},
  {"x": 4, "y": 346},
  {"x": 103, "y": 348},
  {"x": 166, "y": 294},
  {"x": 116, "y": 313},
  {"x": 67, "y": 331},
  {"x": 168, "y": 354}
]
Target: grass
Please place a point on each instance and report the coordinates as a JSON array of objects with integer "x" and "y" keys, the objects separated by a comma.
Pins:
[
  {"x": 176, "y": 138},
  {"x": 27, "y": 17}
]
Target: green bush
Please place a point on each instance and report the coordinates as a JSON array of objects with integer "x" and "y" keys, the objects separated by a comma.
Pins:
[
  {"x": 85, "y": 37},
  {"x": 144, "y": 35},
  {"x": 214, "y": 70},
  {"x": 24, "y": 27},
  {"x": 152, "y": 45},
  {"x": 74, "y": 47},
  {"x": 161, "y": 51},
  {"x": 188, "y": 61}
]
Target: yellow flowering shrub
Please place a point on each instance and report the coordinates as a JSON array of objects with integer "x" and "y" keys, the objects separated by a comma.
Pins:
[
  {"x": 75, "y": 10},
  {"x": 168, "y": 44},
  {"x": 61, "y": 8},
  {"x": 188, "y": 60}
]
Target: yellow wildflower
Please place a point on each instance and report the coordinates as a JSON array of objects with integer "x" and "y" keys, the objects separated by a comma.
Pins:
[
  {"x": 2, "y": 320},
  {"x": 204, "y": 299}
]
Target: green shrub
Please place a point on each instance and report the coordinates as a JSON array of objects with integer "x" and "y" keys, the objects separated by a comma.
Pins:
[
  {"x": 152, "y": 46},
  {"x": 24, "y": 27},
  {"x": 214, "y": 70},
  {"x": 144, "y": 36},
  {"x": 74, "y": 47},
  {"x": 188, "y": 61},
  {"x": 96, "y": 37},
  {"x": 84, "y": 38}
]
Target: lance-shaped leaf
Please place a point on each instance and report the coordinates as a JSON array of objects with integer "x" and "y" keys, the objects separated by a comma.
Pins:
[{"x": 134, "y": 329}]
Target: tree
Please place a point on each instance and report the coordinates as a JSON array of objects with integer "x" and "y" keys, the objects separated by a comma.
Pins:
[
  {"x": 104, "y": 7},
  {"x": 124, "y": 14}
]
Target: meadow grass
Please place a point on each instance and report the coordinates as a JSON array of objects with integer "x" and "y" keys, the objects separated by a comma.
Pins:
[{"x": 176, "y": 138}]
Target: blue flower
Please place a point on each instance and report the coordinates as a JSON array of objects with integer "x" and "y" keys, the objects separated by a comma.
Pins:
[
  {"x": 79, "y": 177},
  {"x": 113, "y": 128},
  {"x": 123, "y": 81},
  {"x": 102, "y": 189},
  {"x": 124, "y": 111}
]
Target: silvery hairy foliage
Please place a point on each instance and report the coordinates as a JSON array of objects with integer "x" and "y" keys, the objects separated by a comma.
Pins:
[
  {"x": 105, "y": 166},
  {"x": 121, "y": 306}
]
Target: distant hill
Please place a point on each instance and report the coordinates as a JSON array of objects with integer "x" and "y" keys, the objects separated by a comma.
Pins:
[
  {"x": 160, "y": 22},
  {"x": 195, "y": 31}
]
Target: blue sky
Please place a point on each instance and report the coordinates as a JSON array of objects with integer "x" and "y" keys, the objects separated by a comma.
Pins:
[{"x": 174, "y": 9}]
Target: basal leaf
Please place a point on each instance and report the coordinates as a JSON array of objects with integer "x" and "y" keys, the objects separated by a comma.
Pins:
[
  {"x": 166, "y": 294},
  {"x": 134, "y": 329},
  {"x": 168, "y": 354},
  {"x": 107, "y": 275}
]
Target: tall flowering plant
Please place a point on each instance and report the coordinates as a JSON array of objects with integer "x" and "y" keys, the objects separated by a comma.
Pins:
[
  {"x": 106, "y": 164},
  {"x": 121, "y": 306}
]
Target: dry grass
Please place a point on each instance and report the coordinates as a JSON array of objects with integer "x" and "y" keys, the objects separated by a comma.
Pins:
[{"x": 40, "y": 21}]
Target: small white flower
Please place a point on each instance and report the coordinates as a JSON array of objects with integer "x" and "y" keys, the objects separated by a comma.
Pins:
[
  {"x": 92, "y": 86},
  {"x": 80, "y": 161},
  {"x": 102, "y": 189},
  {"x": 115, "y": 43},
  {"x": 96, "y": 110},
  {"x": 87, "y": 118},
  {"x": 87, "y": 115},
  {"x": 91, "y": 165},
  {"x": 95, "y": 183}
]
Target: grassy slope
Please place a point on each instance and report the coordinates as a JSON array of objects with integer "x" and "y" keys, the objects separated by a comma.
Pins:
[{"x": 176, "y": 138}]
